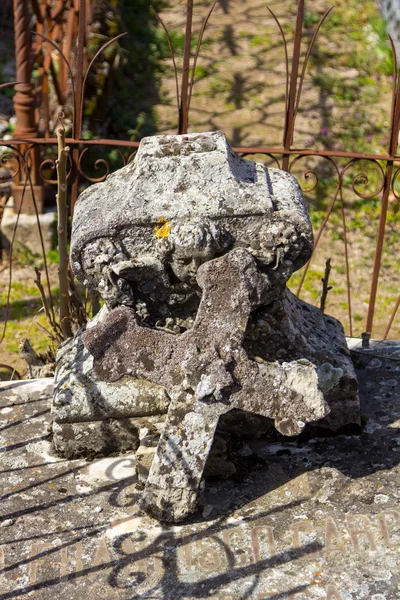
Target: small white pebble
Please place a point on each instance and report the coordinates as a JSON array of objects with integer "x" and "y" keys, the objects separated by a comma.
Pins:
[
  {"x": 98, "y": 509},
  {"x": 7, "y": 522},
  {"x": 143, "y": 432},
  {"x": 381, "y": 499}
]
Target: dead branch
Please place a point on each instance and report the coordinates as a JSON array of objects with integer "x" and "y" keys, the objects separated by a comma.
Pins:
[
  {"x": 54, "y": 325},
  {"x": 325, "y": 284},
  {"x": 62, "y": 207}
]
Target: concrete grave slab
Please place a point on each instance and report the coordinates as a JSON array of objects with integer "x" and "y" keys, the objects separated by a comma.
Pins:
[{"x": 304, "y": 518}]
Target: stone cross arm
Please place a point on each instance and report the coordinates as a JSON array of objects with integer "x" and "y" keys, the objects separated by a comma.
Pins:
[{"x": 206, "y": 373}]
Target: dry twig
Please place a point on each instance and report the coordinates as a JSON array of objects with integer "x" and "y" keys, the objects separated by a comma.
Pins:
[
  {"x": 62, "y": 208},
  {"x": 325, "y": 284},
  {"x": 58, "y": 334}
]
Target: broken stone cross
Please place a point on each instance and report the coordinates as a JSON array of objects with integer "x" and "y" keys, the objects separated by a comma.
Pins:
[
  {"x": 206, "y": 373},
  {"x": 191, "y": 247}
]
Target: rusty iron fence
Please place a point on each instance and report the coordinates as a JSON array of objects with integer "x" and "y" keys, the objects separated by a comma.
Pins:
[
  {"x": 71, "y": 80},
  {"x": 56, "y": 23}
]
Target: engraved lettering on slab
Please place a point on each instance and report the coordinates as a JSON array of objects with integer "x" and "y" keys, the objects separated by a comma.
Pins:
[
  {"x": 240, "y": 551},
  {"x": 332, "y": 593},
  {"x": 304, "y": 527},
  {"x": 138, "y": 564},
  {"x": 163, "y": 559},
  {"x": 204, "y": 553},
  {"x": 185, "y": 554},
  {"x": 37, "y": 548},
  {"x": 300, "y": 595},
  {"x": 102, "y": 555},
  {"x": 263, "y": 541},
  {"x": 79, "y": 556},
  {"x": 333, "y": 538},
  {"x": 386, "y": 520},
  {"x": 360, "y": 526},
  {"x": 156, "y": 564},
  {"x": 64, "y": 563},
  {"x": 301, "y": 487},
  {"x": 71, "y": 559},
  {"x": 211, "y": 552},
  {"x": 211, "y": 555}
]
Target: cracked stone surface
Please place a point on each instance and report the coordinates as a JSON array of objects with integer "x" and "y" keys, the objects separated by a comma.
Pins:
[
  {"x": 191, "y": 248},
  {"x": 304, "y": 518}
]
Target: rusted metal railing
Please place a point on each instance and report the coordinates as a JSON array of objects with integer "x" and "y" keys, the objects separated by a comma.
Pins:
[
  {"x": 286, "y": 157},
  {"x": 55, "y": 23}
]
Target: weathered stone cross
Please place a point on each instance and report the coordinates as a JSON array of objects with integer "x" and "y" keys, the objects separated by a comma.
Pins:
[{"x": 206, "y": 373}]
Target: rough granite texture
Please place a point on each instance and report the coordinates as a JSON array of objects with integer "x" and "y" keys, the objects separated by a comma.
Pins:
[{"x": 191, "y": 248}]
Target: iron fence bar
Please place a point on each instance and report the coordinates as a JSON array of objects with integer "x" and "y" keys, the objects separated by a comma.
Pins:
[
  {"x": 183, "y": 109},
  {"x": 307, "y": 57},
  {"x": 392, "y": 316},
  {"x": 346, "y": 258},
  {"x": 290, "y": 115},
  {"x": 309, "y": 152},
  {"x": 392, "y": 148},
  {"x": 24, "y": 100},
  {"x": 379, "y": 247},
  {"x": 243, "y": 150},
  {"x": 77, "y": 127},
  {"x": 68, "y": 45}
]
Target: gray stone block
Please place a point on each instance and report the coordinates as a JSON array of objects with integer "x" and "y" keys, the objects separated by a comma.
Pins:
[
  {"x": 27, "y": 233},
  {"x": 96, "y": 438}
]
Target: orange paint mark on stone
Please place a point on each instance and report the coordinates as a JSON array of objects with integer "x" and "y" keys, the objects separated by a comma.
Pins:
[{"x": 162, "y": 228}]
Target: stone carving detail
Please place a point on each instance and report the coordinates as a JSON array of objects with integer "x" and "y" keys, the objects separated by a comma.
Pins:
[{"x": 191, "y": 248}]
